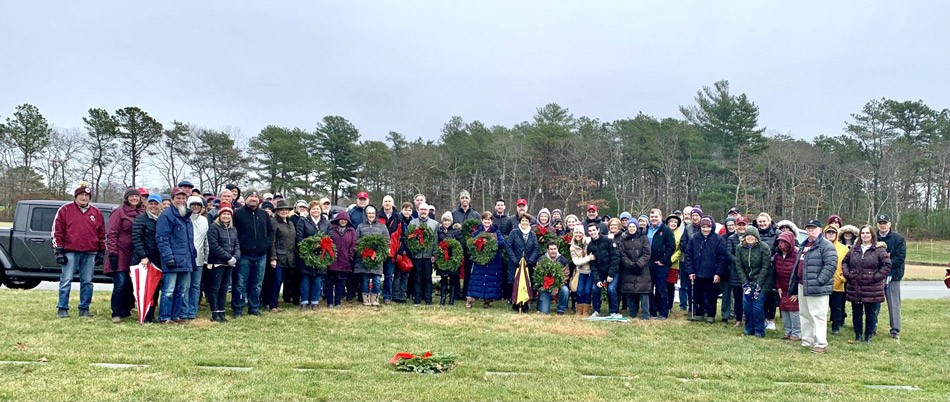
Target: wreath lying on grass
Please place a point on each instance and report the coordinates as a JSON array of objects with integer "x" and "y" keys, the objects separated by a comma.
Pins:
[
  {"x": 427, "y": 363},
  {"x": 564, "y": 245},
  {"x": 318, "y": 251},
  {"x": 483, "y": 247},
  {"x": 547, "y": 275},
  {"x": 419, "y": 238},
  {"x": 450, "y": 258},
  {"x": 373, "y": 250},
  {"x": 468, "y": 228}
]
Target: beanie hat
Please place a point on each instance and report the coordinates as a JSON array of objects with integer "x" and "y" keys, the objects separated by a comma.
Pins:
[
  {"x": 705, "y": 221},
  {"x": 225, "y": 208},
  {"x": 557, "y": 211},
  {"x": 154, "y": 198},
  {"x": 733, "y": 220},
  {"x": 447, "y": 216},
  {"x": 130, "y": 192},
  {"x": 82, "y": 189},
  {"x": 464, "y": 193},
  {"x": 644, "y": 216},
  {"x": 697, "y": 210},
  {"x": 267, "y": 204},
  {"x": 625, "y": 215},
  {"x": 195, "y": 200},
  {"x": 578, "y": 229}
]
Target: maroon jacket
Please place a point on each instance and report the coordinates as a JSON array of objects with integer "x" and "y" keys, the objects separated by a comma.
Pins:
[
  {"x": 784, "y": 265},
  {"x": 865, "y": 272},
  {"x": 78, "y": 231},
  {"x": 345, "y": 243},
  {"x": 119, "y": 237}
]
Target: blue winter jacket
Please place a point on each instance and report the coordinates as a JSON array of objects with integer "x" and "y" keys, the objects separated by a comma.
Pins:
[
  {"x": 706, "y": 256},
  {"x": 175, "y": 237},
  {"x": 518, "y": 247}
]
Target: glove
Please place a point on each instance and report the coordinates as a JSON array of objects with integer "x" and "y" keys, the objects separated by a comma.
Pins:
[
  {"x": 232, "y": 262},
  {"x": 114, "y": 261},
  {"x": 100, "y": 256},
  {"x": 170, "y": 263},
  {"x": 61, "y": 256}
]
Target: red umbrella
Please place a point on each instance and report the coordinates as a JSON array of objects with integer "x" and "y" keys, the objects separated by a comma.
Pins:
[{"x": 145, "y": 280}]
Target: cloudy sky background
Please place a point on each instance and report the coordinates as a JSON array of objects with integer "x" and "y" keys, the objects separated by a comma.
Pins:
[{"x": 408, "y": 66}]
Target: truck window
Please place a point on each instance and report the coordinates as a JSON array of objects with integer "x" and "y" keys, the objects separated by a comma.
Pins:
[{"x": 42, "y": 219}]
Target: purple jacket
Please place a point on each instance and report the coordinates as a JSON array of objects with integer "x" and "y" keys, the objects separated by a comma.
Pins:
[
  {"x": 345, "y": 243},
  {"x": 119, "y": 237}
]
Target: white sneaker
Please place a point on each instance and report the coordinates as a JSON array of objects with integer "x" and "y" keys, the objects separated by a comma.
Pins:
[
  {"x": 615, "y": 315},
  {"x": 594, "y": 315},
  {"x": 770, "y": 325}
]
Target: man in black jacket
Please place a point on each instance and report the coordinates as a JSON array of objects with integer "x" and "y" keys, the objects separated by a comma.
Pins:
[
  {"x": 459, "y": 216},
  {"x": 593, "y": 217},
  {"x": 897, "y": 248},
  {"x": 604, "y": 259},
  {"x": 255, "y": 234},
  {"x": 502, "y": 221},
  {"x": 662, "y": 247}
]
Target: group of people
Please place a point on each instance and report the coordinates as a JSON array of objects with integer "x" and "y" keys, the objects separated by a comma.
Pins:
[{"x": 206, "y": 245}]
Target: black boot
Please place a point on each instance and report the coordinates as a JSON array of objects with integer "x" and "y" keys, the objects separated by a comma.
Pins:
[
  {"x": 451, "y": 294},
  {"x": 443, "y": 288}
]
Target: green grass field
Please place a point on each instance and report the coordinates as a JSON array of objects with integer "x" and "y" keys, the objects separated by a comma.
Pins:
[
  {"x": 928, "y": 252},
  {"x": 502, "y": 356}
]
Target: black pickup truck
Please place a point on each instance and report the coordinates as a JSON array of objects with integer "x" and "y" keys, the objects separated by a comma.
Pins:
[{"x": 26, "y": 251}]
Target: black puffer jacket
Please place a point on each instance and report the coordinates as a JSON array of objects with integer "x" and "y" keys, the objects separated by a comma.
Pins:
[
  {"x": 143, "y": 240},
  {"x": 606, "y": 258},
  {"x": 866, "y": 272},
  {"x": 634, "y": 263},
  {"x": 222, "y": 244},
  {"x": 732, "y": 246}
]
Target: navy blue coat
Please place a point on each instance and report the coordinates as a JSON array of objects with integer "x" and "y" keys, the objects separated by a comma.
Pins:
[
  {"x": 175, "y": 237},
  {"x": 486, "y": 279},
  {"x": 306, "y": 228},
  {"x": 518, "y": 247},
  {"x": 706, "y": 256}
]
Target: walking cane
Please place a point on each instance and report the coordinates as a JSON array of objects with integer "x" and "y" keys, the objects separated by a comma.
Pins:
[{"x": 691, "y": 303}]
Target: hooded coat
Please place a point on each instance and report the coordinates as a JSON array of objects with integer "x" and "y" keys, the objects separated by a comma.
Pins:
[
  {"x": 634, "y": 263},
  {"x": 119, "y": 237},
  {"x": 486, "y": 279},
  {"x": 842, "y": 250},
  {"x": 344, "y": 237},
  {"x": 754, "y": 263},
  {"x": 848, "y": 229},
  {"x": 784, "y": 264},
  {"x": 866, "y": 272},
  {"x": 705, "y": 256}
]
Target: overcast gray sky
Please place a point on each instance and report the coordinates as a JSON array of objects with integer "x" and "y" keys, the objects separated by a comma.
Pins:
[{"x": 409, "y": 66}]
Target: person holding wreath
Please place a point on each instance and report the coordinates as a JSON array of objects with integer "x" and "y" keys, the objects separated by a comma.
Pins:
[
  {"x": 549, "y": 276},
  {"x": 311, "y": 278},
  {"x": 445, "y": 258},
  {"x": 372, "y": 246},
  {"x": 486, "y": 247},
  {"x": 344, "y": 238},
  {"x": 420, "y": 241}
]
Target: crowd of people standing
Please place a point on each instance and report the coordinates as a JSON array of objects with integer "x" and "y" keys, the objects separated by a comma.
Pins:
[{"x": 207, "y": 245}]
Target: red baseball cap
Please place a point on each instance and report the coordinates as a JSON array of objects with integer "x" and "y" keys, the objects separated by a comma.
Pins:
[
  {"x": 742, "y": 219},
  {"x": 592, "y": 206},
  {"x": 522, "y": 201},
  {"x": 362, "y": 194}
]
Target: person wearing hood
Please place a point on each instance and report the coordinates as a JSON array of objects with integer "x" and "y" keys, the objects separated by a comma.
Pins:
[
  {"x": 634, "y": 249},
  {"x": 557, "y": 214},
  {"x": 370, "y": 276},
  {"x": 753, "y": 263},
  {"x": 837, "y": 299},
  {"x": 867, "y": 266},
  {"x": 200, "y": 227},
  {"x": 256, "y": 232},
  {"x": 423, "y": 260},
  {"x": 674, "y": 222},
  {"x": 705, "y": 264},
  {"x": 787, "y": 225},
  {"x": 144, "y": 248},
  {"x": 811, "y": 285},
  {"x": 175, "y": 238},
  {"x": 768, "y": 234},
  {"x": 119, "y": 247},
  {"x": 783, "y": 260},
  {"x": 593, "y": 217},
  {"x": 344, "y": 238},
  {"x": 735, "y": 282},
  {"x": 848, "y": 235},
  {"x": 281, "y": 257},
  {"x": 223, "y": 255},
  {"x": 559, "y": 229},
  {"x": 487, "y": 279},
  {"x": 544, "y": 218}
]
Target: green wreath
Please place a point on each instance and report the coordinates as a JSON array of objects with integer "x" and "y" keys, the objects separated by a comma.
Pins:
[
  {"x": 373, "y": 250},
  {"x": 318, "y": 251},
  {"x": 468, "y": 227},
  {"x": 419, "y": 238},
  {"x": 564, "y": 244},
  {"x": 483, "y": 247},
  {"x": 547, "y": 275},
  {"x": 450, "y": 257},
  {"x": 545, "y": 236}
]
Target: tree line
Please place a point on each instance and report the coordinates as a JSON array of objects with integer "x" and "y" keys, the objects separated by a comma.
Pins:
[{"x": 890, "y": 157}]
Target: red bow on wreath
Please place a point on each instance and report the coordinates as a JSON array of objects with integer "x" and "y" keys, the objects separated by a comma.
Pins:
[
  {"x": 548, "y": 282},
  {"x": 368, "y": 253},
  {"x": 445, "y": 249},
  {"x": 419, "y": 233},
  {"x": 479, "y": 243},
  {"x": 326, "y": 246},
  {"x": 406, "y": 355},
  {"x": 567, "y": 238},
  {"x": 542, "y": 230}
]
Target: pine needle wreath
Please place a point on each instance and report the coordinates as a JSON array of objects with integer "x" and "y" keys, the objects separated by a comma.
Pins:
[
  {"x": 373, "y": 250},
  {"x": 318, "y": 251},
  {"x": 419, "y": 238},
  {"x": 468, "y": 228},
  {"x": 547, "y": 275},
  {"x": 449, "y": 259},
  {"x": 564, "y": 244},
  {"x": 545, "y": 236},
  {"x": 427, "y": 363},
  {"x": 483, "y": 247}
]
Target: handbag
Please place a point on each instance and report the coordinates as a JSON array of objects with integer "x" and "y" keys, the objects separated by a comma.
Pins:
[
  {"x": 404, "y": 263},
  {"x": 572, "y": 284}
]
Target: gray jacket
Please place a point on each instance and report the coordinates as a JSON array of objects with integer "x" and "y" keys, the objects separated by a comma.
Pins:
[
  {"x": 820, "y": 263},
  {"x": 366, "y": 229},
  {"x": 429, "y": 251}
]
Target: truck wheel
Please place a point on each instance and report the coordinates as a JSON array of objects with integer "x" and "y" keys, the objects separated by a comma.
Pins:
[{"x": 21, "y": 283}]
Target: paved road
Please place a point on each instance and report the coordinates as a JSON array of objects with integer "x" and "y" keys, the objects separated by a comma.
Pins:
[{"x": 909, "y": 289}]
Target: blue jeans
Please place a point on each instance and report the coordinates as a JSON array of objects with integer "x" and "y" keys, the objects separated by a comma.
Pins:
[
  {"x": 613, "y": 302},
  {"x": 311, "y": 288},
  {"x": 686, "y": 297},
  {"x": 584, "y": 285},
  {"x": 388, "y": 267},
  {"x": 84, "y": 263},
  {"x": 544, "y": 302},
  {"x": 175, "y": 285},
  {"x": 192, "y": 293},
  {"x": 273, "y": 287},
  {"x": 122, "y": 298},
  {"x": 563, "y": 299},
  {"x": 754, "y": 315},
  {"x": 659, "y": 305},
  {"x": 370, "y": 284},
  {"x": 336, "y": 285},
  {"x": 639, "y": 303},
  {"x": 246, "y": 289}
]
